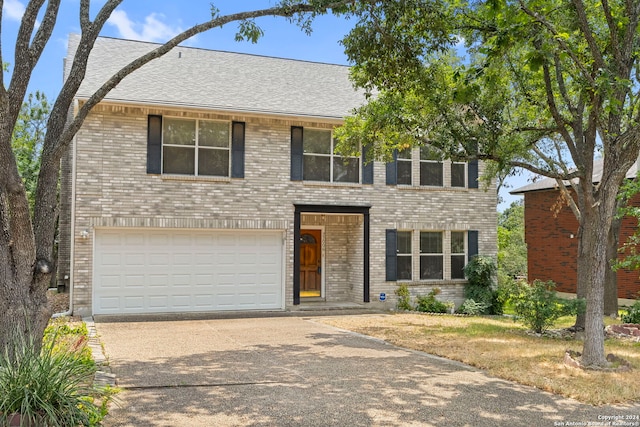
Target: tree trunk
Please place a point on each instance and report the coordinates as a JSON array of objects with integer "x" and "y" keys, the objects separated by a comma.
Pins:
[
  {"x": 582, "y": 278},
  {"x": 611, "y": 277},
  {"x": 592, "y": 266}
]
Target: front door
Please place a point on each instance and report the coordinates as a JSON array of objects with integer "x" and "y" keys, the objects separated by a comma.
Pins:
[{"x": 310, "y": 263}]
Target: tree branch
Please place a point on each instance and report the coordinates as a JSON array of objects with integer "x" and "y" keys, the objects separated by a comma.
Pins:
[
  {"x": 583, "y": 22},
  {"x": 563, "y": 45},
  {"x": 613, "y": 34},
  {"x": 553, "y": 108},
  {"x": 85, "y": 21}
]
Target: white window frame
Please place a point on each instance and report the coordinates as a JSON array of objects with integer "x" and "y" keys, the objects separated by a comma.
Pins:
[
  {"x": 405, "y": 255},
  {"x": 465, "y": 174},
  {"x": 433, "y": 255},
  {"x": 408, "y": 160},
  {"x": 332, "y": 156},
  {"x": 458, "y": 254},
  {"x": 196, "y": 146},
  {"x": 434, "y": 162}
]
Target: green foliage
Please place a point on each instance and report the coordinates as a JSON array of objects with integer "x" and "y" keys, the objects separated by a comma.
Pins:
[
  {"x": 538, "y": 306},
  {"x": 429, "y": 304},
  {"x": 404, "y": 298},
  {"x": 53, "y": 387},
  {"x": 629, "y": 249},
  {"x": 27, "y": 140},
  {"x": 512, "y": 249},
  {"x": 472, "y": 308},
  {"x": 633, "y": 314},
  {"x": 248, "y": 30},
  {"x": 480, "y": 273}
]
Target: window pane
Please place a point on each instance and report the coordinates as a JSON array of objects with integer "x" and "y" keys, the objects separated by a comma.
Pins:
[
  {"x": 457, "y": 242},
  {"x": 431, "y": 173},
  {"x": 404, "y": 268},
  {"x": 346, "y": 169},
  {"x": 213, "y": 162},
  {"x": 457, "y": 175},
  {"x": 430, "y": 242},
  {"x": 316, "y": 168},
  {"x": 405, "y": 154},
  {"x": 316, "y": 141},
  {"x": 429, "y": 153},
  {"x": 179, "y": 160},
  {"x": 404, "y": 242},
  {"x": 457, "y": 266},
  {"x": 431, "y": 267},
  {"x": 404, "y": 172},
  {"x": 213, "y": 134},
  {"x": 178, "y": 131}
]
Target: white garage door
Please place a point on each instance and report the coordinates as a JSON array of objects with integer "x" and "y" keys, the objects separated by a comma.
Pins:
[{"x": 162, "y": 271}]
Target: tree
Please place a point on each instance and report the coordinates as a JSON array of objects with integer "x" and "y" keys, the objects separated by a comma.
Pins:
[
  {"x": 512, "y": 249},
  {"x": 27, "y": 140},
  {"x": 544, "y": 85},
  {"x": 26, "y": 241}
]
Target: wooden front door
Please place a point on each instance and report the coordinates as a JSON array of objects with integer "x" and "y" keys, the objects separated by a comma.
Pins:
[{"x": 310, "y": 263}]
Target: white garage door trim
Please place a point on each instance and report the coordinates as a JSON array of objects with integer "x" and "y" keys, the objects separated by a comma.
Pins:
[{"x": 150, "y": 270}]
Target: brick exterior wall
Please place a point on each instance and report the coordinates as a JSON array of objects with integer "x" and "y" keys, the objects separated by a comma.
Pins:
[
  {"x": 113, "y": 190},
  {"x": 552, "y": 250}
]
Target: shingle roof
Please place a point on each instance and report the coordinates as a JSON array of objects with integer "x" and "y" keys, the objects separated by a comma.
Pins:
[
  {"x": 220, "y": 80},
  {"x": 549, "y": 183}
]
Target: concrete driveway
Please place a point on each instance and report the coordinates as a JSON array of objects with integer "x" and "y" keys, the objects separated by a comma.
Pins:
[{"x": 294, "y": 371}]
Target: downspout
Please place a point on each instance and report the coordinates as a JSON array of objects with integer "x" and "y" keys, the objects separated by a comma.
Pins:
[{"x": 72, "y": 228}]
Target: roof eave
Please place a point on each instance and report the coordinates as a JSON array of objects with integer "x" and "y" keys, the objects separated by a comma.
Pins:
[{"x": 229, "y": 110}]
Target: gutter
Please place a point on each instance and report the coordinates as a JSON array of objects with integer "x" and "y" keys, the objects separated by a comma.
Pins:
[{"x": 72, "y": 224}]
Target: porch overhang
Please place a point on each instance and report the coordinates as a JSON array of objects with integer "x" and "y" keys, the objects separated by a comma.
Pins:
[{"x": 301, "y": 208}]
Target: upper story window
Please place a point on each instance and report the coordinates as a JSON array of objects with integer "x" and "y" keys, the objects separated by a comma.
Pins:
[
  {"x": 320, "y": 163},
  {"x": 458, "y": 174},
  {"x": 431, "y": 170},
  {"x": 196, "y": 147},
  {"x": 404, "y": 167},
  {"x": 192, "y": 147}
]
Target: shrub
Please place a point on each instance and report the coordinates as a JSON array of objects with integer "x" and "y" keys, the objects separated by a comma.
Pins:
[
  {"x": 53, "y": 387},
  {"x": 404, "y": 298},
  {"x": 429, "y": 304},
  {"x": 480, "y": 273},
  {"x": 633, "y": 314},
  {"x": 472, "y": 308},
  {"x": 538, "y": 306}
]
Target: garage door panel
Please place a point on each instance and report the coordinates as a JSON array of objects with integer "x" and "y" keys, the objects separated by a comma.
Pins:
[
  {"x": 146, "y": 271},
  {"x": 132, "y": 281}
]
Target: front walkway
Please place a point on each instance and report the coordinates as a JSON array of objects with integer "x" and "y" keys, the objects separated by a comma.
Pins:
[{"x": 293, "y": 371}]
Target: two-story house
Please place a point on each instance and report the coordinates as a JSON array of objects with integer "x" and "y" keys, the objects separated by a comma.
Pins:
[{"x": 208, "y": 181}]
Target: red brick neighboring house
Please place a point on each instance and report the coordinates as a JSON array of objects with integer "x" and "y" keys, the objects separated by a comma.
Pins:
[{"x": 552, "y": 243}]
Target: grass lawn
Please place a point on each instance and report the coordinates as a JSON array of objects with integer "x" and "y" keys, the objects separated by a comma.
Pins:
[{"x": 503, "y": 348}]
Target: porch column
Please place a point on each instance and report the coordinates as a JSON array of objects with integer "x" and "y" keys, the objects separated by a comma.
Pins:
[
  {"x": 365, "y": 215},
  {"x": 296, "y": 257}
]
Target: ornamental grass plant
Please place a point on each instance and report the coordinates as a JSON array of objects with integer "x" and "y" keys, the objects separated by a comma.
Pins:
[{"x": 53, "y": 387}]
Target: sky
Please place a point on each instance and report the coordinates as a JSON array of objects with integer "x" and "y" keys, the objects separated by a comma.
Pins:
[{"x": 159, "y": 20}]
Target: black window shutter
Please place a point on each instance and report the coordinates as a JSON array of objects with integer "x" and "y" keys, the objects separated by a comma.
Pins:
[
  {"x": 391, "y": 256},
  {"x": 473, "y": 174},
  {"x": 296, "y": 153},
  {"x": 154, "y": 144},
  {"x": 472, "y": 242},
  {"x": 237, "y": 150},
  {"x": 367, "y": 166},
  {"x": 392, "y": 170}
]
